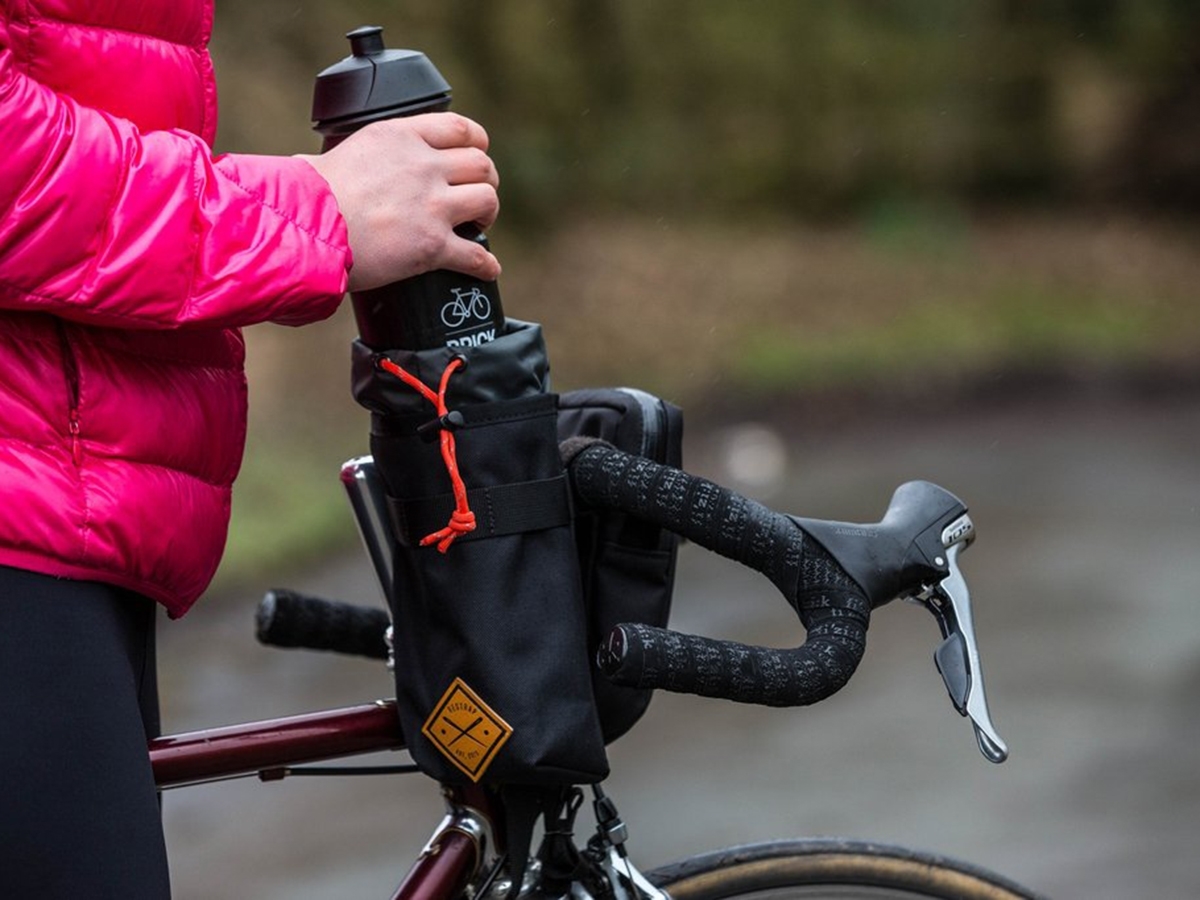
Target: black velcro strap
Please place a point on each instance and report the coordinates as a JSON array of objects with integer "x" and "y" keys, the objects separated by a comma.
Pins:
[{"x": 504, "y": 509}]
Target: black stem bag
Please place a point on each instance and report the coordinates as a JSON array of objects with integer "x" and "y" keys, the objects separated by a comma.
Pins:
[
  {"x": 494, "y": 638},
  {"x": 627, "y": 565}
]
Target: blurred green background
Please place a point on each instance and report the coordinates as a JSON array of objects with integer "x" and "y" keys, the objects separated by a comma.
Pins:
[{"x": 743, "y": 205}]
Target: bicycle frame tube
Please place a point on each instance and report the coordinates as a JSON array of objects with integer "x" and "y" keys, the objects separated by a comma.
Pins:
[
  {"x": 443, "y": 871},
  {"x": 239, "y": 750},
  {"x": 450, "y": 859},
  {"x": 465, "y": 839}
]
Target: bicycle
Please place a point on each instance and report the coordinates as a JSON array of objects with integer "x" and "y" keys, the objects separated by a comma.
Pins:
[{"x": 911, "y": 553}]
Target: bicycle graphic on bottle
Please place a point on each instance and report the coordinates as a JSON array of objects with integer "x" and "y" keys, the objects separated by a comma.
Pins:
[{"x": 467, "y": 305}]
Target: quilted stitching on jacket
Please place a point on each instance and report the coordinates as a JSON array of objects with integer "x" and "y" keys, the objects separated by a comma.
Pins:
[{"x": 122, "y": 392}]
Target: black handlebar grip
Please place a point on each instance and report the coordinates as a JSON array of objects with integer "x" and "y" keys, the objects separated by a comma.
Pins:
[
  {"x": 289, "y": 619},
  {"x": 711, "y": 516},
  {"x": 647, "y": 657},
  {"x": 830, "y": 604}
]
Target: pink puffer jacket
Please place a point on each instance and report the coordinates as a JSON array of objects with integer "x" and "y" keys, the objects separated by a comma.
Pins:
[{"x": 129, "y": 257}]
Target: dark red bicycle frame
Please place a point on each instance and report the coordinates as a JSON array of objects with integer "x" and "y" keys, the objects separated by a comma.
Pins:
[{"x": 272, "y": 745}]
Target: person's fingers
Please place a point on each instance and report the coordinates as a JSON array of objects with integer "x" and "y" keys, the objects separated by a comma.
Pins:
[
  {"x": 444, "y": 130},
  {"x": 476, "y": 203},
  {"x": 402, "y": 185},
  {"x": 470, "y": 258},
  {"x": 469, "y": 165}
]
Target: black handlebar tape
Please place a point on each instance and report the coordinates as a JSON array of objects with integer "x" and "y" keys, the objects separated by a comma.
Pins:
[
  {"x": 289, "y": 619},
  {"x": 648, "y": 657},
  {"x": 712, "y": 516},
  {"x": 829, "y": 603}
]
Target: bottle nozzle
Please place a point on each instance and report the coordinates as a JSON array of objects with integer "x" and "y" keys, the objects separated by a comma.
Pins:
[{"x": 365, "y": 40}]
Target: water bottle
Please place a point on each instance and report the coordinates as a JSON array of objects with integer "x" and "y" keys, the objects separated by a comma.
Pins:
[{"x": 436, "y": 308}]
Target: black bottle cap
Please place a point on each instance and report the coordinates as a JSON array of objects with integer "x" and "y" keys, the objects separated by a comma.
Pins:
[{"x": 375, "y": 83}]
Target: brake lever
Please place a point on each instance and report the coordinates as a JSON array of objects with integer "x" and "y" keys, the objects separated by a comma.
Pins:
[{"x": 957, "y": 658}]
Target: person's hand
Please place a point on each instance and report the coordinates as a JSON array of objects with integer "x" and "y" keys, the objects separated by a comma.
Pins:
[{"x": 402, "y": 186}]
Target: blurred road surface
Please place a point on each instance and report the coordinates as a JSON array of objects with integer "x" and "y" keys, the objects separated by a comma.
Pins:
[{"x": 1085, "y": 580}]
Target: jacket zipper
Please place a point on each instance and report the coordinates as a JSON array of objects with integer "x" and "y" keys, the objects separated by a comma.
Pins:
[{"x": 71, "y": 370}]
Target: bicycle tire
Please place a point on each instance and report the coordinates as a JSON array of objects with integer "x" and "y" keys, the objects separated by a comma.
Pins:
[{"x": 830, "y": 870}]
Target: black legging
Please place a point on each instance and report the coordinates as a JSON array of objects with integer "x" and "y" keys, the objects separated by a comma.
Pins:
[{"x": 79, "y": 815}]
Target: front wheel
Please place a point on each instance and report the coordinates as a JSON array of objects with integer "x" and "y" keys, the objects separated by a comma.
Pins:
[{"x": 832, "y": 870}]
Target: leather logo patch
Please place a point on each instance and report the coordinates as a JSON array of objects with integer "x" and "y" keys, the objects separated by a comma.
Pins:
[{"x": 466, "y": 730}]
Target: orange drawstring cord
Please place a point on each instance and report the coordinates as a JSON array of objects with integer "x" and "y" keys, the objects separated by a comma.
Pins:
[{"x": 462, "y": 520}]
